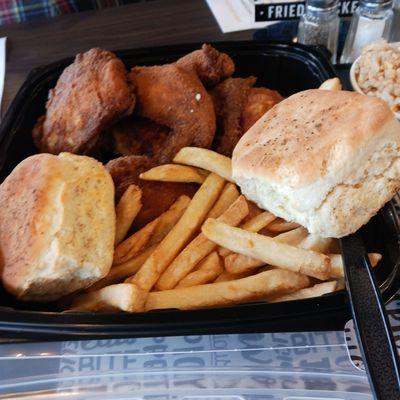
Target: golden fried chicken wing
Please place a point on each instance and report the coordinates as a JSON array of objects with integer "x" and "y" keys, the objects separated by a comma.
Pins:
[
  {"x": 157, "y": 197},
  {"x": 138, "y": 136},
  {"x": 171, "y": 96},
  {"x": 210, "y": 65},
  {"x": 259, "y": 101},
  {"x": 90, "y": 95},
  {"x": 230, "y": 97}
]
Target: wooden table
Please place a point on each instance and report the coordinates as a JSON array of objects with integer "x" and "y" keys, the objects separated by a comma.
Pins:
[{"x": 132, "y": 26}]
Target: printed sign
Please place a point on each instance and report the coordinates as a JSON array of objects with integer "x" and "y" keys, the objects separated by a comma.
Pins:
[{"x": 294, "y": 10}]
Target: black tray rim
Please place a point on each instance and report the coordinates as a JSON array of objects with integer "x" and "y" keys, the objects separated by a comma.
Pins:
[{"x": 229, "y": 319}]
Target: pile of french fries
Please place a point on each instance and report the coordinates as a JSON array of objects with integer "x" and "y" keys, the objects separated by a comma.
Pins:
[{"x": 216, "y": 249}]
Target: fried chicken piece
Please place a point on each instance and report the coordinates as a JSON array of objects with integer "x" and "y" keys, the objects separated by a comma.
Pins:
[
  {"x": 90, "y": 95},
  {"x": 259, "y": 101},
  {"x": 157, "y": 197},
  {"x": 210, "y": 65},
  {"x": 37, "y": 131},
  {"x": 138, "y": 136},
  {"x": 230, "y": 97},
  {"x": 126, "y": 170},
  {"x": 174, "y": 97}
]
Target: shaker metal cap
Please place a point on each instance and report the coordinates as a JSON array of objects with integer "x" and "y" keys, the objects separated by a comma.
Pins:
[
  {"x": 323, "y": 4},
  {"x": 376, "y": 2}
]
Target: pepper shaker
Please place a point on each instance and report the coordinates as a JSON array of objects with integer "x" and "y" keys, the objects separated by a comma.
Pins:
[
  {"x": 371, "y": 21},
  {"x": 319, "y": 25}
]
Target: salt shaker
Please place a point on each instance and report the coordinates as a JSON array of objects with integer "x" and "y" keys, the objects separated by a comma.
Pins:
[
  {"x": 371, "y": 21},
  {"x": 395, "y": 36},
  {"x": 319, "y": 25}
]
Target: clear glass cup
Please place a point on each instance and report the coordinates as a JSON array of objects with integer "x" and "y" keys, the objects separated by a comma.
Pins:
[
  {"x": 371, "y": 21},
  {"x": 319, "y": 25}
]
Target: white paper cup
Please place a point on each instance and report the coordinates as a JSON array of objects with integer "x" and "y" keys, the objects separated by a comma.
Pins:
[{"x": 355, "y": 85}]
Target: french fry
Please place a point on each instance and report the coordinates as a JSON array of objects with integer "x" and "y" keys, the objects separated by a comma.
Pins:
[
  {"x": 152, "y": 233},
  {"x": 199, "y": 248},
  {"x": 209, "y": 269},
  {"x": 266, "y": 268},
  {"x": 331, "y": 84},
  {"x": 224, "y": 252},
  {"x": 122, "y": 296},
  {"x": 238, "y": 263},
  {"x": 175, "y": 173},
  {"x": 253, "y": 210},
  {"x": 316, "y": 243},
  {"x": 134, "y": 244},
  {"x": 228, "y": 196},
  {"x": 122, "y": 271},
  {"x": 206, "y": 159},
  {"x": 293, "y": 237},
  {"x": 340, "y": 284},
  {"x": 254, "y": 287},
  {"x": 258, "y": 222},
  {"x": 226, "y": 276},
  {"x": 315, "y": 291},
  {"x": 126, "y": 211},
  {"x": 282, "y": 226},
  {"x": 168, "y": 219},
  {"x": 180, "y": 234},
  {"x": 255, "y": 224},
  {"x": 337, "y": 263},
  {"x": 268, "y": 250}
]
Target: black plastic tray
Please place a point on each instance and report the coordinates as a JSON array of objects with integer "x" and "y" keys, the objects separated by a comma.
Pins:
[{"x": 286, "y": 67}]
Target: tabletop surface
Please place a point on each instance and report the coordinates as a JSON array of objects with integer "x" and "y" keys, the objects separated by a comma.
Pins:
[{"x": 137, "y": 25}]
